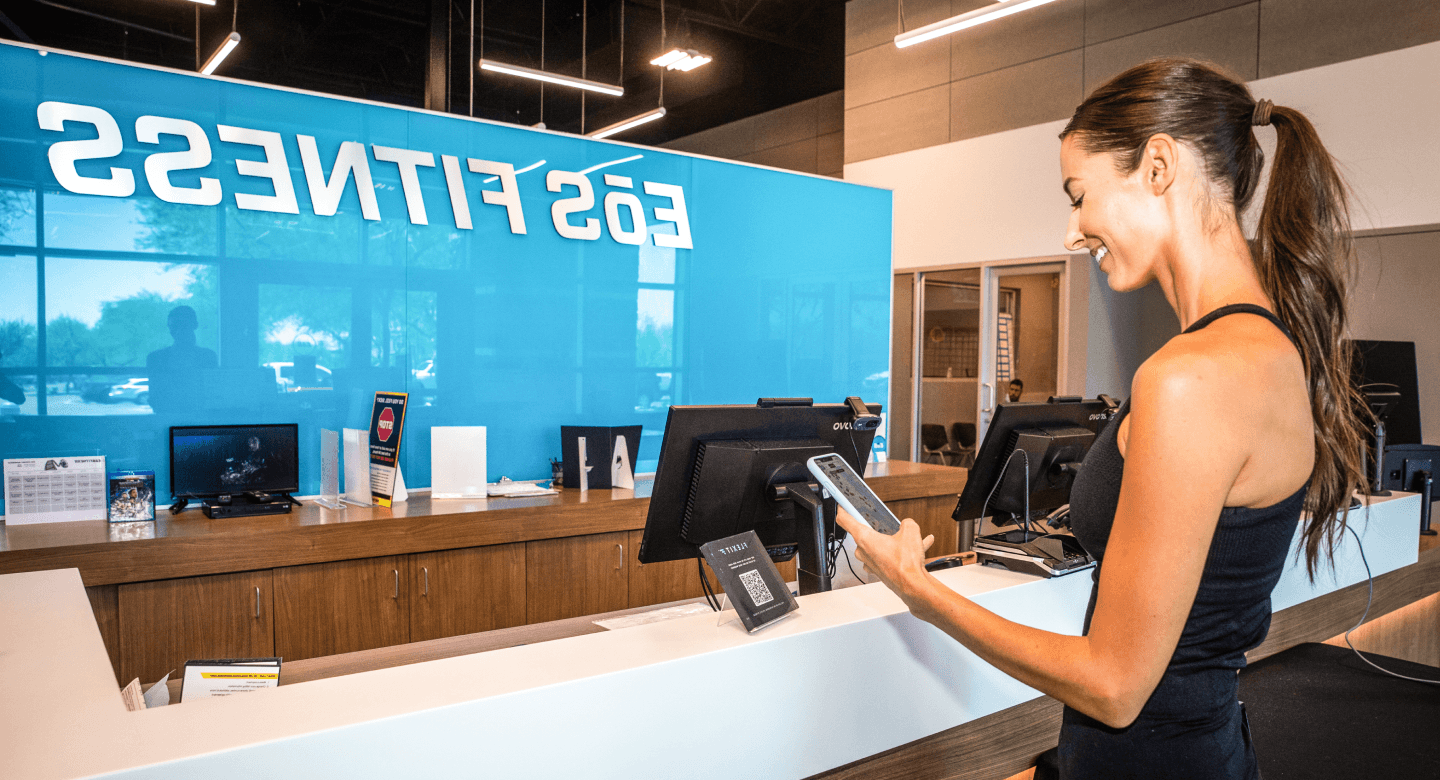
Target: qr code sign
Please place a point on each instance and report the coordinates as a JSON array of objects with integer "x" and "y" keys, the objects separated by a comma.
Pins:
[{"x": 755, "y": 586}]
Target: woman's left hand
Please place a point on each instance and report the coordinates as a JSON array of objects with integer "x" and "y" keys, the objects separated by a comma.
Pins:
[{"x": 899, "y": 560}]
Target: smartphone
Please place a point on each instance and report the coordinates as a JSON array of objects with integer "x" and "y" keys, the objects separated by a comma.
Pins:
[{"x": 851, "y": 492}]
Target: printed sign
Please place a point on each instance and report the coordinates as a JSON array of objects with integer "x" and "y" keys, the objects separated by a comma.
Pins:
[{"x": 387, "y": 422}]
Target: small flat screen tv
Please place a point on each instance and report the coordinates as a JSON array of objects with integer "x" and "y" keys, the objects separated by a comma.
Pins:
[{"x": 217, "y": 460}]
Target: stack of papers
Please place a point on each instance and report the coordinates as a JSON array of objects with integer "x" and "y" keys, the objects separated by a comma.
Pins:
[{"x": 511, "y": 489}]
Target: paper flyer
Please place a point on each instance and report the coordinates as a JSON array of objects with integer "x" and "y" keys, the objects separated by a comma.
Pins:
[{"x": 387, "y": 423}]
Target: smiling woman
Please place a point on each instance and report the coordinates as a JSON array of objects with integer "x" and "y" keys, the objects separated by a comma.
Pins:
[{"x": 1190, "y": 496}]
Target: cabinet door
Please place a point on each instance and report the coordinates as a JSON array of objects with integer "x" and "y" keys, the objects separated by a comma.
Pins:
[
  {"x": 105, "y": 603},
  {"x": 575, "y": 576},
  {"x": 166, "y": 623},
  {"x": 458, "y": 592},
  {"x": 329, "y": 608},
  {"x": 932, "y": 514}
]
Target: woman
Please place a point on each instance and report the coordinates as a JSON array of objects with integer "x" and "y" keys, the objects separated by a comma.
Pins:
[{"x": 1190, "y": 496}]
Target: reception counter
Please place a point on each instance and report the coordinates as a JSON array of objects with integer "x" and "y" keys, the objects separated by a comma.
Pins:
[{"x": 851, "y": 686}]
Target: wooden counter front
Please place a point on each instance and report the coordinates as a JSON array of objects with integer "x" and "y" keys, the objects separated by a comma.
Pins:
[{"x": 190, "y": 544}]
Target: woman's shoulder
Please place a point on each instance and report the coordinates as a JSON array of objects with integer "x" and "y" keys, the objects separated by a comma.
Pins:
[{"x": 1231, "y": 352}]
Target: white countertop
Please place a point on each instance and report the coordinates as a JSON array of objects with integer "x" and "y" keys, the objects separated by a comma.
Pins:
[{"x": 853, "y": 674}]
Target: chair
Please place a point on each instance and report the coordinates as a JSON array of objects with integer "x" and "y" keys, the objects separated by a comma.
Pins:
[
  {"x": 935, "y": 443},
  {"x": 964, "y": 447}
]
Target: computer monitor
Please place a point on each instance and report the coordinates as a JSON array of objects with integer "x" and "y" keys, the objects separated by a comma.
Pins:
[
  {"x": 1392, "y": 363},
  {"x": 1029, "y": 458},
  {"x": 725, "y": 470},
  {"x": 217, "y": 460},
  {"x": 1023, "y": 472}
]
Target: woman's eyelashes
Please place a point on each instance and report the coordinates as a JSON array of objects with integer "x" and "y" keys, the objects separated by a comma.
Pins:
[{"x": 1078, "y": 202}]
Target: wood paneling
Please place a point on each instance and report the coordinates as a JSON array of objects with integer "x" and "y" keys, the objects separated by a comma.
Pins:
[
  {"x": 1300, "y": 34},
  {"x": 796, "y": 156},
  {"x": 1039, "y": 91},
  {"x": 105, "y": 603},
  {"x": 1227, "y": 38},
  {"x": 1411, "y": 633},
  {"x": 341, "y": 607},
  {"x": 870, "y": 23},
  {"x": 466, "y": 591},
  {"x": 164, "y": 624},
  {"x": 933, "y": 516},
  {"x": 191, "y": 545},
  {"x": 914, "y": 121},
  {"x": 1035, "y": 34},
  {"x": 900, "y": 423},
  {"x": 994, "y": 746},
  {"x": 579, "y": 575},
  {"x": 885, "y": 72}
]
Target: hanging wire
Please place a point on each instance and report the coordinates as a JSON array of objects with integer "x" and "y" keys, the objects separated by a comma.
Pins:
[
  {"x": 901, "y": 20},
  {"x": 584, "y": 54},
  {"x": 662, "y": 50},
  {"x": 542, "y": 60},
  {"x": 473, "y": 64},
  {"x": 235, "y": 16},
  {"x": 622, "y": 43}
]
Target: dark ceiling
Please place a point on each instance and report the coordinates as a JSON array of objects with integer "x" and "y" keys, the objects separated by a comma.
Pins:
[{"x": 768, "y": 53}]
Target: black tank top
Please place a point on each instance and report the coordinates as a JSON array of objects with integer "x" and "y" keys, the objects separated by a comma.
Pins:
[{"x": 1231, "y": 614}]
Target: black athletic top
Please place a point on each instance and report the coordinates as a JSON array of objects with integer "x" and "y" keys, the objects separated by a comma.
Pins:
[{"x": 1192, "y": 725}]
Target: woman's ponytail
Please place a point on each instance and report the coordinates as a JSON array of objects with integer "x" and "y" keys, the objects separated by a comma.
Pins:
[{"x": 1305, "y": 263}]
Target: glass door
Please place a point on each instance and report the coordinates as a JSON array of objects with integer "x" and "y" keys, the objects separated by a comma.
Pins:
[
  {"x": 948, "y": 350},
  {"x": 1020, "y": 336}
]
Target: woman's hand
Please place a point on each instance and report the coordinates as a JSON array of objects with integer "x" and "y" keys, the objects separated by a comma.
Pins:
[{"x": 899, "y": 560}]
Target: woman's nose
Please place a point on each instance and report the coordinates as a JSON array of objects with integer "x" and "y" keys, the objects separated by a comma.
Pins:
[{"x": 1074, "y": 239}]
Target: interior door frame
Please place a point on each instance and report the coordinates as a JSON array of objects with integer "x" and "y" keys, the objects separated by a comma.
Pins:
[{"x": 990, "y": 276}]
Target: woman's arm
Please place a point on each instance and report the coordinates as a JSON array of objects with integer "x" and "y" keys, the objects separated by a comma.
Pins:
[{"x": 1186, "y": 445}]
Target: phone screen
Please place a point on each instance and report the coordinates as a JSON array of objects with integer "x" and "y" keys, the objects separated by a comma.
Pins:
[{"x": 855, "y": 495}]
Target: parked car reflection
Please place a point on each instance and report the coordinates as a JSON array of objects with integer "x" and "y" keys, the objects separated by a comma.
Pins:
[
  {"x": 289, "y": 379},
  {"x": 137, "y": 390}
]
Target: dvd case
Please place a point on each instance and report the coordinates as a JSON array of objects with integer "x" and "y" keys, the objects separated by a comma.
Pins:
[{"x": 132, "y": 496}]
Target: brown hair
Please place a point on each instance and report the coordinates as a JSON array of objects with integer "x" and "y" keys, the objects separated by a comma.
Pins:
[{"x": 1302, "y": 250}]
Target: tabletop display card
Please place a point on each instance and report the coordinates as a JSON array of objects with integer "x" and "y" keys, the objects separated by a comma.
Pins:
[
  {"x": 227, "y": 677},
  {"x": 750, "y": 579},
  {"x": 54, "y": 490},
  {"x": 387, "y": 424}
]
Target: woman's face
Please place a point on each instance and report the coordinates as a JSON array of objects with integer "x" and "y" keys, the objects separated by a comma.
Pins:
[{"x": 1117, "y": 218}]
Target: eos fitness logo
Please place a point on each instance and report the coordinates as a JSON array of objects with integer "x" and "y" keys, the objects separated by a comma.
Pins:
[
  {"x": 351, "y": 161},
  {"x": 387, "y": 424}
]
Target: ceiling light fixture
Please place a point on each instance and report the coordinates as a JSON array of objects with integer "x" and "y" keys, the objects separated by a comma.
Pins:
[
  {"x": 203, "y": 2},
  {"x": 681, "y": 59},
  {"x": 966, "y": 21},
  {"x": 551, "y": 78},
  {"x": 626, "y": 124},
  {"x": 231, "y": 41}
]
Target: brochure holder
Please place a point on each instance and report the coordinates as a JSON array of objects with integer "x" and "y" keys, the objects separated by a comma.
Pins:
[
  {"x": 457, "y": 461},
  {"x": 357, "y": 468},
  {"x": 329, "y": 470}
]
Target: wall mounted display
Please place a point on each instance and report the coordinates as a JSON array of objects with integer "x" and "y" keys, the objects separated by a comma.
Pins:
[{"x": 178, "y": 249}]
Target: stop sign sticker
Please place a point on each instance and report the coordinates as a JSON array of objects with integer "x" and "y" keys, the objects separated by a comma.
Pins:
[{"x": 387, "y": 424}]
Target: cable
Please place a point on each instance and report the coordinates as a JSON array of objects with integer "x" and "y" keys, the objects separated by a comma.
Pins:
[
  {"x": 1001, "y": 478},
  {"x": 850, "y": 566},
  {"x": 705, "y": 585},
  {"x": 1369, "y": 598}
]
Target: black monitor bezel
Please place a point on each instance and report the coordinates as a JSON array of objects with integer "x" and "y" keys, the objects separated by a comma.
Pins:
[
  {"x": 294, "y": 437},
  {"x": 1092, "y": 414},
  {"x": 686, "y": 426}
]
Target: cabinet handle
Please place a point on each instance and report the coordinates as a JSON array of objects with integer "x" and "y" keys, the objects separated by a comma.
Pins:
[
  {"x": 257, "y": 602},
  {"x": 397, "y": 584},
  {"x": 620, "y": 548},
  {"x": 426, "y": 569}
]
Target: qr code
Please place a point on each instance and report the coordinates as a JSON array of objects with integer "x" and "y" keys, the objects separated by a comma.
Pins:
[{"x": 755, "y": 586}]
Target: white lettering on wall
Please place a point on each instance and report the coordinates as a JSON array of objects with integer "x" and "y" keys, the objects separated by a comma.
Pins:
[
  {"x": 407, "y": 159},
  {"x": 274, "y": 167},
  {"x": 613, "y": 201},
  {"x": 509, "y": 194},
  {"x": 64, "y": 154},
  {"x": 351, "y": 161},
  {"x": 676, "y": 214},
  {"x": 325, "y": 196},
  {"x": 562, "y": 208},
  {"x": 455, "y": 181},
  {"x": 158, "y": 166}
]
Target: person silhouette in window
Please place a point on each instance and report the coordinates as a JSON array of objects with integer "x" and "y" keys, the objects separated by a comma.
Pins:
[{"x": 174, "y": 378}]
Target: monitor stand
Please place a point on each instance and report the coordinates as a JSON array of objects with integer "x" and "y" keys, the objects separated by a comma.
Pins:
[{"x": 811, "y": 569}]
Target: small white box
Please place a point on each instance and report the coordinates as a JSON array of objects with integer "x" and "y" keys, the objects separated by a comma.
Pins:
[{"x": 457, "y": 461}]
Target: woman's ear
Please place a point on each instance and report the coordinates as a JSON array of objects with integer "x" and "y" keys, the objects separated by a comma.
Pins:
[{"x": 1160, "y": 162}]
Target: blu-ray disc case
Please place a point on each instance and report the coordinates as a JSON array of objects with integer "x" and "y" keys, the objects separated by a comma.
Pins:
[{"x": 131, "y": 496}]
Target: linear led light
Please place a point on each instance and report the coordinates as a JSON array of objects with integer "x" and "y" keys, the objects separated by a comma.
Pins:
[
  {"x": 203, "y": 2},
  {"x": 966, "y": 21},
  {"x": 681, "y": 59},
  {"x": 231, "y": 41},
  {"x": 550, "y": 78},
  {"x": 626, "y": 124}
]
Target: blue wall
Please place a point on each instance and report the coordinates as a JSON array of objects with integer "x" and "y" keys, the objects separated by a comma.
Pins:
[{"x": 785, "y": 290}]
